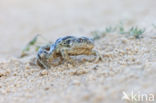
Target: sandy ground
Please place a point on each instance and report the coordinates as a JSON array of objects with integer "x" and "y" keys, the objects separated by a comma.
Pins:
[{"x": 129, "y": 64}]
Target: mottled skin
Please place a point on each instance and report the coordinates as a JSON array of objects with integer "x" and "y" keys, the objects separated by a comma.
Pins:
[{"x": 64, "y": 48}]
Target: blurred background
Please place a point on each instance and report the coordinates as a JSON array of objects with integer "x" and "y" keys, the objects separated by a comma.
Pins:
[{"x": 21, "y": 20}]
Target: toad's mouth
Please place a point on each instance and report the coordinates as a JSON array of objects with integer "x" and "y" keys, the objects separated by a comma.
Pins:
[{"x": 82, "y": 46}]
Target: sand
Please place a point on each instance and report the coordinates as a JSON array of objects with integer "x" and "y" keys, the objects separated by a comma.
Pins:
[{"x": 128, "y": 66}]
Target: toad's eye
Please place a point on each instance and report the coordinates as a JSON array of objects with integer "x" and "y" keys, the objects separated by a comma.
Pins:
[
  {"x": 64, "y": 43},
  {"x": 80, "y": 40},
  {"x": 68, "y": 41}
]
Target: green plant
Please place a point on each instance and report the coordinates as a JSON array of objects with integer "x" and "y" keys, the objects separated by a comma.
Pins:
[
  {"x": 133, "y": 31},
  {"x": 136, "y": 32},
  {"x": 154, "y": 26},
  {"x": 29, "y": 45},
  {"x": 110, "y": 29},
  {"x": 96, "y": 35}
]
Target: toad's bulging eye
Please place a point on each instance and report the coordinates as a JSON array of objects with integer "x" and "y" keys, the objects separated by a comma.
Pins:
[
  {"x": 64, "y": 43},
  {"x": 80, "y": 40},
  {"x": 68, "y": 41}
]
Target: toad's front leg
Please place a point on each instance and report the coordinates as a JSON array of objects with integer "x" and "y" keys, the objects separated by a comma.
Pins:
[
  {"x": 42, "y": 61},
  {"x": 97, "y": 54},
  {"x": 52, "y": 59},
  {"x": 42, "y": 57},
  {"x": 65, "y": 56}
]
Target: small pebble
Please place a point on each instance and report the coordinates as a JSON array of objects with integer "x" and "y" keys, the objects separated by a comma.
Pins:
[
  {"x": 76, "y": 82},
  {"x": 95, "y": 67},
  {"x": 27, "y": 66},
  {"x": 44, "y": 72}
]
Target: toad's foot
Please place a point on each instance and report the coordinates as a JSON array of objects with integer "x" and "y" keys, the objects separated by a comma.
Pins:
[
  {"x": 97, "y": 55},
  {"x": 42, "y": 60},
  {"x": 43, "y": 64}
]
